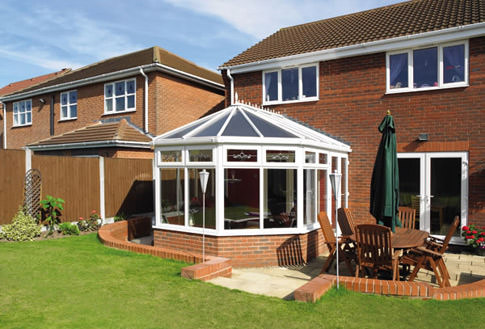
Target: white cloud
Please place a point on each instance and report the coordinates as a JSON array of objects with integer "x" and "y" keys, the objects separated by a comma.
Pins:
[{"x": 260, "y": 18}]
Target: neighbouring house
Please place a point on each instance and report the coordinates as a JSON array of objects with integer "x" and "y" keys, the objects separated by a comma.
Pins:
[
  {"x": 19, "y": 85},
  {"x": 423, "y": 60},
  {"x": 111, "y": 108}
]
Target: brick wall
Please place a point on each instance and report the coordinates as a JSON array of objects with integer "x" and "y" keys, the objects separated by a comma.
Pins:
[
  {"x": 171, "y": 101},
  {"x": 353, "y": 102},
  {"x": 248, "y": 251}
]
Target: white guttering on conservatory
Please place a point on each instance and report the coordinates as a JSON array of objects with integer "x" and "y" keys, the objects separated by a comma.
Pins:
[{"x": 269, "y": 174}]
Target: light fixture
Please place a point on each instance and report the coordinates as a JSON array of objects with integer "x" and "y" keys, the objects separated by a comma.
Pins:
[
  {"x": 204, "y": 178},
  {"x": 42, "y": 100},
  {"x": 423, "y": 137}
]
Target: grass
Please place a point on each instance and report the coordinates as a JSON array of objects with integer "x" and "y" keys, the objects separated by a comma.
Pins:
[{"x": 76, "y": 282}]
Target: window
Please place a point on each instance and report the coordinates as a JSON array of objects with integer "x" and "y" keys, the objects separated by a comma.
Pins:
[
  {"x": 69, "y": 105},
  {"x": 290, "y": 85},
  {"x": 119, "y": 96},
  {"x": 22, "y": 113},
  {"x": 428, "y": 68}
]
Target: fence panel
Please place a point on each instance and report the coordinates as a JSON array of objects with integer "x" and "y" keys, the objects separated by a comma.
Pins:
[
  {"x": 12, "y": 173},
  {"x": 76, "y": 180},
  {"x": 128, "y": 186}
]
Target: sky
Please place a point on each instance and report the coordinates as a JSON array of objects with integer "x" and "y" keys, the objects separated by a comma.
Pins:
[{"x": 40, "y": 37}]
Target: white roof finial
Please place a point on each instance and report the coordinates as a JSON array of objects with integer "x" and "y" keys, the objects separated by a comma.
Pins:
[{"x": 236, "y": 96}]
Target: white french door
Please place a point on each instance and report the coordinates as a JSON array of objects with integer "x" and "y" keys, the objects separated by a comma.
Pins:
[{"x": 436, "y": 185}]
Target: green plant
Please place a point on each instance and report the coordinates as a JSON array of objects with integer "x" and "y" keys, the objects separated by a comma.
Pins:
[
  {"x": 69, "y": 229},
  {"x": 52, "y": 207},
  {"x": 119, "y": 217},
  {"x": 474, "y": 235},
  {"x": 90, "y": 224},
  {"x": 23, "y": 228}
]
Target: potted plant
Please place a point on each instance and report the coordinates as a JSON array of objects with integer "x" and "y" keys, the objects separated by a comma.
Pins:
[{"x": 474, "y": 237}]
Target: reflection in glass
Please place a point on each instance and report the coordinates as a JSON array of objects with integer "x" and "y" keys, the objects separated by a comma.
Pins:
[
  {"x": 309, "y": 188},
  {"x": 280, "y": 198},
  {"x": 454, "y": 64},
  {"x": 200, "y": 155},
  {"x": 289, "y": 82},
  {"x": 241, "y": 198},
  {"x": 172, "y": 195},
  {"x": 409, "y": 184},
  {"x": 322, "y": 158},
  {"x": 425, "y": 66},
  {"x": 321, "y": 190},
  {"x": 309, "y": 81},
  {"x": 398, "y": 71},
  {"x": 171, "y": 156},
  {"x": 271, "y": 86},
  {"x": 195, "y": 197},
  {"x": 310, "y": 157}
]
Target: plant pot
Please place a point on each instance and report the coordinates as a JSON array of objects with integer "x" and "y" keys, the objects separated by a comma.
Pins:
[{"x": 480, "y": 252}]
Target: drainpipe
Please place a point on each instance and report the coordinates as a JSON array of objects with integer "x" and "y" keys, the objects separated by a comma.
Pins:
[
  {"x": 4, "y": 126},
  {"x": 228, "y": 72},
  {"x": 146, "y": 100}
]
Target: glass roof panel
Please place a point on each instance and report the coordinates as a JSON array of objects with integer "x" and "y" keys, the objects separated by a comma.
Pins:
[
  {"x": 239, "y": 126},
  {"x": 213, "y": 128},
  {"x": 268, "y": 129},
  {"x": 185, "y": 131}
]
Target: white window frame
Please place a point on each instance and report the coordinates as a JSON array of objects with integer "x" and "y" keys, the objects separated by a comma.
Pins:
[
  {"x": 441, "y": 84},
  {"x": 18, "y": 124},
  {"x": 68, "y": 106},
  {"x": 301, "y": 98},
  {"x": 114, "y": 97}
]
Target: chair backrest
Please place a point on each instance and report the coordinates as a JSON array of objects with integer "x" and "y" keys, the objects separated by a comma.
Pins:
[
  {"x": 452, "y": 230},
  {"x": 407, "y": 216},
  {"x": 326, "y": 229},
  {"x": 346, "y": 221},
  {"x": 373, "y": 244}
]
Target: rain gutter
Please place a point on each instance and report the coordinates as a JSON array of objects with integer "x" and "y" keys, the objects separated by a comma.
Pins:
[
  {"x": 4, "y": 125},
  {"x": 228, "y": 72},
  {"x": 111, "y": 143}
]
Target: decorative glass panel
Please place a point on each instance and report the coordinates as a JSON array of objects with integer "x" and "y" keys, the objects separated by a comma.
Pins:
[
  {"x": 172, "y": 195},
  {"x": 271, "y": 86},
  {"x": 309, "y": 81},
  {"x": 398, "y": 76},
  {"x": 195, "y": 197},
  {"x": 242, "y": 155},
  {"x": 280, "y": 156},
  {"x": 322, "y": 158},
  {"x": 454, "y": 64},
  {"x": 120, "y": 104},
  {"x": 200, "y": 155},
  {"x": 108, "y": 91},
  {"x": 241, "y": 201},
  {"x": 171, "y": 156},
  {"x": 289, "y": 82},
  {"x": 310, "y": 157},
  {"x": 120, "y": 88},
  {"x": 425, "y": 65},
  {"x": 280, "y": 198}
]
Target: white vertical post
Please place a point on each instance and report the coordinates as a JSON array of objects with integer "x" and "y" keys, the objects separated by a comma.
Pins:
[
  {"x": 335, "y": 178},
  {"x": 28, "y": 159},
  {"x": 102, "y": 211}
]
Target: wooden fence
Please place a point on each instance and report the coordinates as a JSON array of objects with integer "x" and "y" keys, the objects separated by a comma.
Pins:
[{"x": 125, "y": 185}]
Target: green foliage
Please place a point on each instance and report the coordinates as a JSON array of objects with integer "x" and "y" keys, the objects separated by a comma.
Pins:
[
  {"x": 474, "y": 235},
  {"x": 90, "y": 224},
  {"x": 119, "y": 217},
  {"x": 23, "y": 228},
  {"x": 69, "y": 229},
  {"x": 52, "y": 207}
]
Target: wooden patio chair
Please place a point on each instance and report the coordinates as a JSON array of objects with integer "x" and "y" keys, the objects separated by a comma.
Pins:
[
  {"x": 374, "y": 250},
  {"x": 346, "y": 221},
  {"x": 407, "y": 216},
  {"x": 331, "y": 242},
  {"x": 430, "y": 257}
]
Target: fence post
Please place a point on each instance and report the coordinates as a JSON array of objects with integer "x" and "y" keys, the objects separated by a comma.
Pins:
[
  {"x": 28, "y": 159},
  {"x": 102, "y": 212}
]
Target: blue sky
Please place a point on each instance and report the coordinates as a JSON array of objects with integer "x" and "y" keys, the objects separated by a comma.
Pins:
[{"x": 39, "y": 37}]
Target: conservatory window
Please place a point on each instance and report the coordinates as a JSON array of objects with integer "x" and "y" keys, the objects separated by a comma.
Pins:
[
  {"x": 200, "y": 155},
  {"x": 172, "y": 195},
  {"x": 242, "y": 155},
  {"x": 171, "y": 156},
  {"x": 280, "y": 156},
  {"x": 280, "y": 198},
  {"x": 309, "y": 198},
  {"x": 195, "y": 199},
  {"x": 241, "y": 198}
]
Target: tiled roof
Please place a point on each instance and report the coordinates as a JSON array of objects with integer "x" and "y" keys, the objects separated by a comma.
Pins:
[
  {"x": 133, "y": 60},
  {"x": 406, "y": 18},
  {"x": 19, "y": 85},
  {"x": 99, "y": 132}
]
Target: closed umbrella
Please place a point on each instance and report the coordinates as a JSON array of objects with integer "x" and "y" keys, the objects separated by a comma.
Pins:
[{"x": 384, "y": 193}]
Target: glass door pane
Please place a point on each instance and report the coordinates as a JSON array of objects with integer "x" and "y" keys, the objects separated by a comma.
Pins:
[
  {"x": 410, "y": 184},
  {"x": 445, "y": 195}
]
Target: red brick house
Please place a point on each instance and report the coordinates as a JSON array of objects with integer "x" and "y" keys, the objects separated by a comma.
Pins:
[
  {"x": 82, "y": 112},
  {"x": 424, "y": 60}
]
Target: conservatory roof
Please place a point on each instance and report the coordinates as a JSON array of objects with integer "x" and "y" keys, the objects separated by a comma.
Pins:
[{"x": 242, "y": 123}]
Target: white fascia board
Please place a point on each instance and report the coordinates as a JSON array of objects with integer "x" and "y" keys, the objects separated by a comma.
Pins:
[
  {"x": 404, "y": 42},
  {"x": 70, "y": 146},
  {"x": 191, "y": 77}
]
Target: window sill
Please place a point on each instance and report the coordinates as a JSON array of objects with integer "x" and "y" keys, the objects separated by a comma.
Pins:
[
  {"x": 119, "y": 112},
  {"x": 403, "y": 91},
  {"x": 22, "y": 126},
  {"x": 67, "y": 119},
  {"x": 308, "y": 99}
]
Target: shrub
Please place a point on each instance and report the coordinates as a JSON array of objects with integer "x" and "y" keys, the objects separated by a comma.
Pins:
[
  {"x": 121, "y": 216},
  {"x": 52, "y": 207},
  {"x": 91, "y": 224},
  {"x": 69, "y": 229},
  {"x": 23, "y": 228},
  {"x": 474, "y": 235}
]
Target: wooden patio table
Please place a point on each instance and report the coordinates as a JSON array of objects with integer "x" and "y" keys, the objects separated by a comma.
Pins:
[{"x": 403, "y": 238}]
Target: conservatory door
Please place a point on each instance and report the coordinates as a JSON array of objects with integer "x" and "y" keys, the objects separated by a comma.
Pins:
[{"x": 436, "y": 185}]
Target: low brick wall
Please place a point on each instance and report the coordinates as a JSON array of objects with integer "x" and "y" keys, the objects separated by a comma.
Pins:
[
  {"x": 314, "y": 289},
  {"x": 116, "y": 236},
  {"x": 248, "y": 251}
]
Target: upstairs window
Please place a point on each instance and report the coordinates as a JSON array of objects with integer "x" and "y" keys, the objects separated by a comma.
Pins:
[
  {"x": 437, "y": 67},
  {"x": 22, "y": 113},
  {"x": 119, "y": 96},
  {"x": 294, "y": 84},
  {"x": 69, "y": 105}
]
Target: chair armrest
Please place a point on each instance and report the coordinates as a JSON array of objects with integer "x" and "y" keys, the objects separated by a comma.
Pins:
[{"x": 428, "y": 251}]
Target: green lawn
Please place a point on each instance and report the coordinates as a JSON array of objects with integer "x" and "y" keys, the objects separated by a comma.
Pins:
[{"x": 78, "y": 283}]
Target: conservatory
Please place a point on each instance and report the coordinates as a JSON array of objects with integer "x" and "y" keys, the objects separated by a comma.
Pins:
[{"x": 268, "y": 180}]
